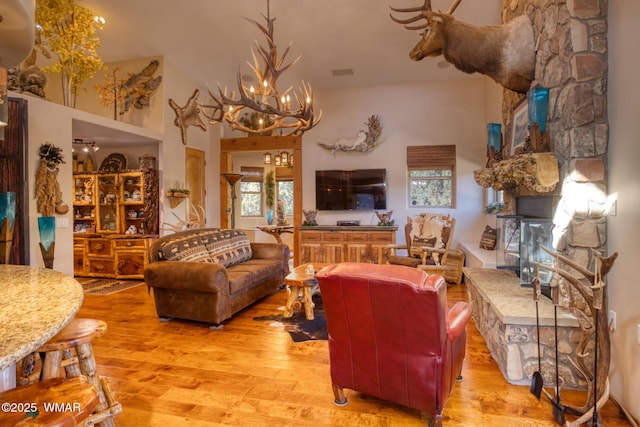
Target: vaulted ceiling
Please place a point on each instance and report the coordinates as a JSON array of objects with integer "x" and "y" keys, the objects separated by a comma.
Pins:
[{"x": 209, "y": 40}]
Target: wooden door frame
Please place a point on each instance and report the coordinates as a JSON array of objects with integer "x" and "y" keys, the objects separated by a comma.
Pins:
[{"x": 228, "y": 146}]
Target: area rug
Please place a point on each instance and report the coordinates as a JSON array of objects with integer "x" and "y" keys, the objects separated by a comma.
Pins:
[
  {"x": 106, "y": 286},
  {"x": 299, "y": 328}
]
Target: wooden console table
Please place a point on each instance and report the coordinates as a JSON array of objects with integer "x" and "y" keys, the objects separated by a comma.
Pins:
[
  {"x": 505, "y": 314},
  {"x": 334, "y": 244}
]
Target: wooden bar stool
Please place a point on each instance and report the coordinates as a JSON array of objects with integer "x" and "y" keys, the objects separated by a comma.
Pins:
[
  {"x": 71, "y": 349},
  {"x": 58, "y": 402}
]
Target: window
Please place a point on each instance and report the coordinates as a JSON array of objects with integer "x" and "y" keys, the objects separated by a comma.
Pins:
[
  {"x": 284, "y": 185},
  {"x": 431, "y": 176},
  {"x": 251, "y": 191}
]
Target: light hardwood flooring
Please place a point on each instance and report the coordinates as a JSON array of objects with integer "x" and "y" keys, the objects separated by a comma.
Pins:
[{"x": 252, "y": 374}]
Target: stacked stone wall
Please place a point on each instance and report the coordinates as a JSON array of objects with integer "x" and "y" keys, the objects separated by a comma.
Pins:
[{"x": 571, "y": 60}]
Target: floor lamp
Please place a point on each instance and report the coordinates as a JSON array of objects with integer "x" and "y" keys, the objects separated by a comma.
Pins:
[{"x": 232, "y": 179}]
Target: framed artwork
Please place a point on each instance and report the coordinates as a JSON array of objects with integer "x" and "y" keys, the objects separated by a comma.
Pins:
[{"x": 519, "y": 125}]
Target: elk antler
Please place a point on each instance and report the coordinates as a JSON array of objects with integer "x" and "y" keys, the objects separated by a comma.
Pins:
[
  {"x": 264, "y": 99},
  {"x": 426, "y": 7}
]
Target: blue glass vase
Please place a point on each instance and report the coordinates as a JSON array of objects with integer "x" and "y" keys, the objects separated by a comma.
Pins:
[
  {"x": 8, "y": 212},
  {"x": 538, "y": 106},
  {"x": 47, "y": 230},
  {"x": 494, "y": 131},
  {"x": 8, "y": 207},
  {"x": 269, "y": 216}
]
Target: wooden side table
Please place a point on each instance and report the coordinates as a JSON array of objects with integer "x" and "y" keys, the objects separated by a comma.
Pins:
[
  {"x": 299, "y": 281},
  {"x": 276, "y": 230}
]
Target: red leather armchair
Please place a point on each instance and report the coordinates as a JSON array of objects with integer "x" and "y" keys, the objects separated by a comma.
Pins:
[{"x": 392, "y": 334}]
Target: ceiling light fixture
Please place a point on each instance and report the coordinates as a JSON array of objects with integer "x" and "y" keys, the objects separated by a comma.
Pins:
[
  {"x": 274, "y": 110},
  {"x": 86, "y": 145}
]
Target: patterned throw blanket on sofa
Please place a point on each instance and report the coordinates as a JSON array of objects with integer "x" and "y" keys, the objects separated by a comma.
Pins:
[{"x": 226, "y": 247}]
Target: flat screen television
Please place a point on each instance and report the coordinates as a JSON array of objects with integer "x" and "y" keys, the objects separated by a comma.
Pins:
[{"x": 347, "y": 190}]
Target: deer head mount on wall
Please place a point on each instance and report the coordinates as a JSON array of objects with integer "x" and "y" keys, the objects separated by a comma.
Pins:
[{"x": 506, "y": 52}]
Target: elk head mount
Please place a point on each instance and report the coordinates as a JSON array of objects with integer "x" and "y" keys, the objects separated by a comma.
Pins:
[{"x": 506, "y": 52}]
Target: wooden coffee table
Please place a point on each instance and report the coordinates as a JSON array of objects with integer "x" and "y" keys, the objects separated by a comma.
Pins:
[{"x": 298, "y": 280}]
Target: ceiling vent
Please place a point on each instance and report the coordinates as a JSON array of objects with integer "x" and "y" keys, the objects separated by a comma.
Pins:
[{"x": 342, "y": 72}]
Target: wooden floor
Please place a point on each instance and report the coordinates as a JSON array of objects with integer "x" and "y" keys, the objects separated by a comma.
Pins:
[{"x": 251, "y": 374}]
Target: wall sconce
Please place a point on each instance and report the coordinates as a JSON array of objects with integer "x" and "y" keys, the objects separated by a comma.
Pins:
[
  {"x": 284, "y": 157},
  {"x": 267, "y": 158},
  {"x": 278, "y": 160}
]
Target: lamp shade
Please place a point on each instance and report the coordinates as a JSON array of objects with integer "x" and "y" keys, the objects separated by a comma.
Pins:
[
  {"x": 494, "y": 131},
  {"x": 8, "y": 207},
  {"x": 538, "y": 106}
]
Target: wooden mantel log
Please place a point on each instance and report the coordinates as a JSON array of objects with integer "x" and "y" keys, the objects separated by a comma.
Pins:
[{"x": 537, "y": 172}]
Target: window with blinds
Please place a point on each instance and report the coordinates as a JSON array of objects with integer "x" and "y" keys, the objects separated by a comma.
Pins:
[
  {"x": 251, "y": 191},
  {"x": 431, "y": 173}
]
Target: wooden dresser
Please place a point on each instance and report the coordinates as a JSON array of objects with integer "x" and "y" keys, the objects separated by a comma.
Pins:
[
  {"x": 117, "y": 256},
  {"x": 332, "y": 244}
]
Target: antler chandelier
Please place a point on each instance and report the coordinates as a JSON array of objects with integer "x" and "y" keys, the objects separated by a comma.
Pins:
[{"x": 262, "y": 109}]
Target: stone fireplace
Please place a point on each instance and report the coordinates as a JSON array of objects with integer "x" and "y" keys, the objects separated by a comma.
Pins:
[{"x": 571, "y": 61}]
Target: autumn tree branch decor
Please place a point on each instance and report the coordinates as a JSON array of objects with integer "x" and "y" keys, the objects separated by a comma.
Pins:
[
  {"x": 69, "y": 31},
  {"x": 110, "y": 93}
]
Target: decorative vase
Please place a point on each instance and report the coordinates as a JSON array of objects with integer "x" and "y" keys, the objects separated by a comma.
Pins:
[
  {"x": 494, "y": 131},
  {"x": 7, "y": 219},
  {"x": 47, "y": 230},
  {"x": 538, "y": 106},
  {"x": 269, "y": 216}
]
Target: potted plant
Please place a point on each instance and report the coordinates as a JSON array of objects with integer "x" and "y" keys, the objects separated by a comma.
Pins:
[{"x": 270, "y": 194}]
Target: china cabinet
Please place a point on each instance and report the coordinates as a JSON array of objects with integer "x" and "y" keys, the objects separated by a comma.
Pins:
[{"x": 115, "y": 221}]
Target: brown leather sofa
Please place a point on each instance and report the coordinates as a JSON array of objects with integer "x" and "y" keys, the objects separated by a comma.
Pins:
[
  {"x": 208, "y": 275},
  {"x": 392, "y": 334}
]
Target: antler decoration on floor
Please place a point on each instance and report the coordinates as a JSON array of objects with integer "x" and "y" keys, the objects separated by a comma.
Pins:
[{"x": 594, "y": 304}]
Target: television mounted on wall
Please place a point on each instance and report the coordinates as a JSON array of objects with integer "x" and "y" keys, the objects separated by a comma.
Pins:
[{"x": 351, "y": 189}]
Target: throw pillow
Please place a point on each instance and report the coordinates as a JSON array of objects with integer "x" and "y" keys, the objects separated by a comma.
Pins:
[
  {"x": 228, "y": 247},
  {"x": 489, "y": 238}
]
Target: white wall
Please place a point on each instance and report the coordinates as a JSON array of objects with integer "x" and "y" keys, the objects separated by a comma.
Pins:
[
  {"x": 624, "y": 181},
  {"x": 451, "y": 112}
]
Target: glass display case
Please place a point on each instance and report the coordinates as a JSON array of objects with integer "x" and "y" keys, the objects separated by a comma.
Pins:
[
  {"x": 508, "y": 242},
  {"x": 108, "y": 189},
  {"x": 535, "y": 233}
]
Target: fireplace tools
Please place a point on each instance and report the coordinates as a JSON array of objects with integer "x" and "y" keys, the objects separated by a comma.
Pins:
[
  {"x": 558, "y": 408},
  {"x": 537, "y": 381},
  {"x": 598, "y": 301}
]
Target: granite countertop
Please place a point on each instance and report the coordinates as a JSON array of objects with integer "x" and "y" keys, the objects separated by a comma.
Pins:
[{"x": 35, "y": 303}]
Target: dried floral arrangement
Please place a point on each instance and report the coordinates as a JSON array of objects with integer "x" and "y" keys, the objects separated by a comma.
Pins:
[{"x": 48, "y": 194}]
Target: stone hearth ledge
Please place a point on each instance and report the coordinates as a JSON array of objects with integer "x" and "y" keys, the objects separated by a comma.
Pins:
[
  {"x": 513, "y": 303},
  {"x": 505, "y": 314}
]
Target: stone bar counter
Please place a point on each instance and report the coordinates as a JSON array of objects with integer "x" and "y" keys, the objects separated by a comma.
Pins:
[
  {"x": 505, "y": 314},
  {"x": 35, "y": 304}
]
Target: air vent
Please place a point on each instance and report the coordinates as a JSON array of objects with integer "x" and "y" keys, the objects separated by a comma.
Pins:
[{"x": 343, "y": 72}]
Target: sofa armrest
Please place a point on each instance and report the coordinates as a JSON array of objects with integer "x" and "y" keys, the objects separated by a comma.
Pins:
[
  {"x": 277, "y": 251},
  {"x": 186, "y": 276},
  {"x": 457, "y": 319}
]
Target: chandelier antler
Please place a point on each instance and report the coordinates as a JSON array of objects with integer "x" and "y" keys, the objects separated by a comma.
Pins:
[{"x": 274, "y": 109}]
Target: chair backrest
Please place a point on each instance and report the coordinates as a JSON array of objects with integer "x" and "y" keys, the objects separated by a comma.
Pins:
[
  {"x": 387, "y": 329},
  {"x": 428, "y": 229}
]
